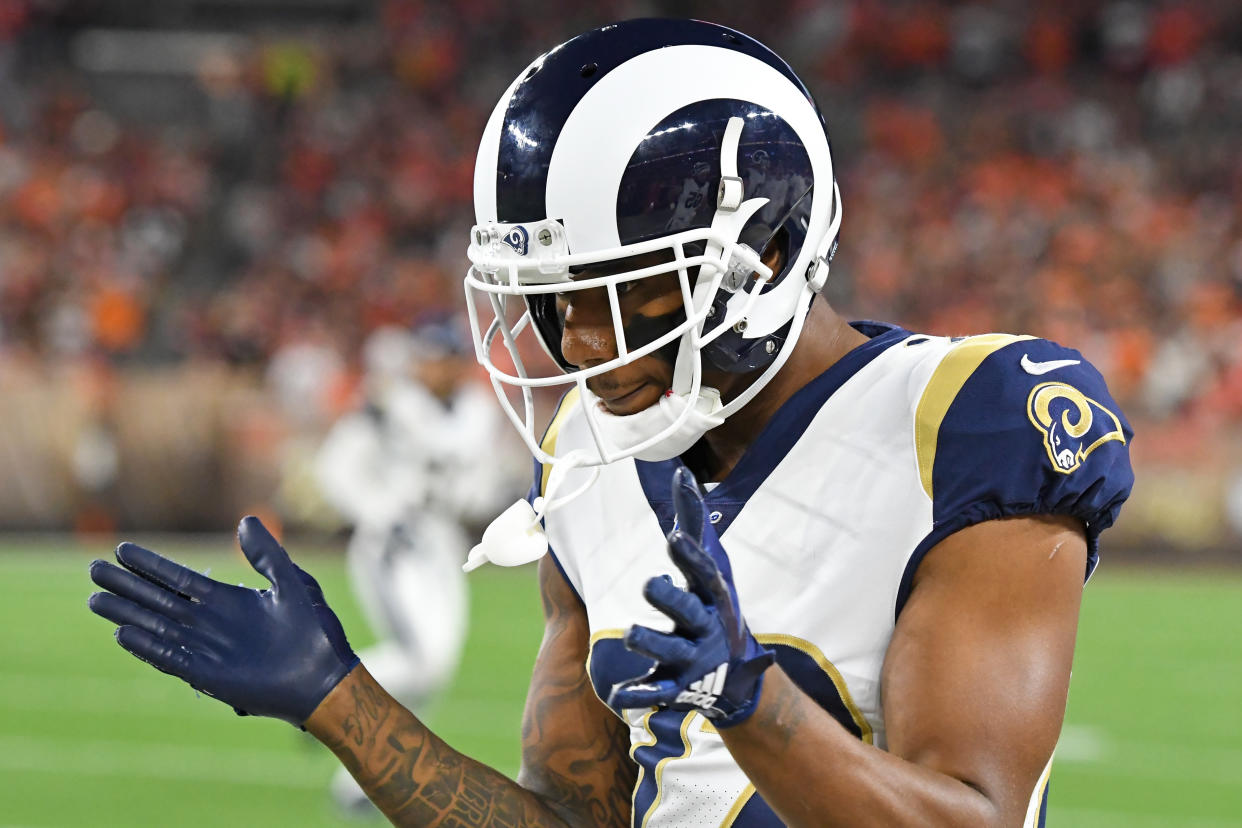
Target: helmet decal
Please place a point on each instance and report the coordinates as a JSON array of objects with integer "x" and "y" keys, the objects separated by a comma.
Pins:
[{"x": 518, "y": 238}]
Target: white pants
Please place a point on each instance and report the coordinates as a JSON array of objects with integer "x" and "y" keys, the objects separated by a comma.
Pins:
[{"x": 409, "y": 581}]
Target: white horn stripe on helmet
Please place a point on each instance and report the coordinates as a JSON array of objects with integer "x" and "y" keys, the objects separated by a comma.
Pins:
[{"x": 654, "y": 85}]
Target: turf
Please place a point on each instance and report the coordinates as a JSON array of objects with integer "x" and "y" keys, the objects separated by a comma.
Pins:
[{"x": 90, "y": 736}]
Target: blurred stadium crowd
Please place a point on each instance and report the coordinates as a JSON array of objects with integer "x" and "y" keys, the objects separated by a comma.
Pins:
[{"x": 239, "y": 199}]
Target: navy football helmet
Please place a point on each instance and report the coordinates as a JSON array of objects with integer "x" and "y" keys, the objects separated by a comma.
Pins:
[{"x": 653, "y": 135}]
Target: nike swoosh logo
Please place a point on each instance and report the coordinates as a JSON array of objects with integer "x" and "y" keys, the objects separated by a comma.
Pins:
[{"x": 1038, "y": 368}]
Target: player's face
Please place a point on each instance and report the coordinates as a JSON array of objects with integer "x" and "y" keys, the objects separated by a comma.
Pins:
[{"x": 650, "y": 307}]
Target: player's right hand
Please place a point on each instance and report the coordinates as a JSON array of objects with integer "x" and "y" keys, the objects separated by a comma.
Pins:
[
  {"x": 274, "y": 652},
  {"x": 710, "y": 661}
]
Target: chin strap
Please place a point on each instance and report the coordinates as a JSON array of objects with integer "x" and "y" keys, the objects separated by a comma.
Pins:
[
  {"x": 817, "y": 270},
  {"x": 729, "y": 193},
  {"x": 516, "y": 536}
]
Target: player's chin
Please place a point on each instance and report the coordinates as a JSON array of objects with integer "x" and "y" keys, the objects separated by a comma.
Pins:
[{"x": 622, "y": 403}]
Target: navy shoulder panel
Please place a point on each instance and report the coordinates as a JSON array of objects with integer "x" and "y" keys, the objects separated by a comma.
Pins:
[{"x": 1015, "y": 425}]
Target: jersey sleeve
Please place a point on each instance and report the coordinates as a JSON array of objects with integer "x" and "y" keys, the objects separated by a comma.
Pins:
[{"x": 1012, "y": 426}]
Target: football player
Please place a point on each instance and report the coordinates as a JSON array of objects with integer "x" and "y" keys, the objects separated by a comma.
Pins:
[{"x": 803, "y": 571}]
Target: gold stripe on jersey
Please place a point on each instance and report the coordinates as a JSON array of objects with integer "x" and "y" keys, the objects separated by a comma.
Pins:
[
  {"x": 645, "y": 724},
  {"x": 614, "y": 632},
  {"x": 864, "y": 727},
  {"x": 659, "y": 768},
  {"x": 548, "y": 443},
  {"x": 1038, "y": 798},
  {"x": 942, "y": 389},
  {"x": 736, "y": 810}
]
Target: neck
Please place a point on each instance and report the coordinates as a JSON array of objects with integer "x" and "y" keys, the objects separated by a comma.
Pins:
[{"x": 826, "y": 337}]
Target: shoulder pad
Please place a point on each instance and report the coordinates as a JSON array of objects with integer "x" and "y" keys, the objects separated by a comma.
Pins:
[{"x": 1015, "y": 425}]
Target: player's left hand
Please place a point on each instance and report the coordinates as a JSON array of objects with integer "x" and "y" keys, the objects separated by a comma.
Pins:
[
  {"x": 274, "y": 652},
  {"x": 709, "y": 662}
]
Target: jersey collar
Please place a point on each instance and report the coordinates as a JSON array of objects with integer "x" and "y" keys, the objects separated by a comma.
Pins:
[{"x": 775, "y": 440}]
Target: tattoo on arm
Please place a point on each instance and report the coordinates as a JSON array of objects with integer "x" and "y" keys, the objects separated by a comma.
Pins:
[
  {"x": 575, "y": 752},
  {"x": 417, "y": 779},
  {"x": 576, "y": 764}
]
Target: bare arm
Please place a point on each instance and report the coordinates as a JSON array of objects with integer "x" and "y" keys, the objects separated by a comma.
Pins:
[
  {"x": 975, "y": 684},
  {"x": 576, "y": 769},
  {"x": 574, "y": 749}
]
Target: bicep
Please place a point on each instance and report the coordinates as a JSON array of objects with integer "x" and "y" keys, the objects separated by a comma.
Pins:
[
  {"x": 575, "y": 752},
  {"x": 976, "y": 677}
]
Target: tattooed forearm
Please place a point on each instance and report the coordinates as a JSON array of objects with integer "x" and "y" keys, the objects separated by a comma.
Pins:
[
  {"x": 411, "y": 774},
  {"x": 575, "y": 752},
  {"x": 368, "y": 714}
]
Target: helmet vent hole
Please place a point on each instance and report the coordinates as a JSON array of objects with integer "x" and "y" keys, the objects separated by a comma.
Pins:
[{"x": 588, "y": 69}]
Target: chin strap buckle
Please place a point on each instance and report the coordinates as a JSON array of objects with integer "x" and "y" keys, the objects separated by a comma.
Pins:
[
  {"x": 817, "y": 270},
  {"x": 739, "y": 271},
  {"x": 729, "y": 194},
  {"x": 817, "y": 274}
]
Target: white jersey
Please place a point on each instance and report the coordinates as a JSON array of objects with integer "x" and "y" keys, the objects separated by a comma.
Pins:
[
  {"x": 825, "y": 518},
  {"x": 414, "y": 453}
]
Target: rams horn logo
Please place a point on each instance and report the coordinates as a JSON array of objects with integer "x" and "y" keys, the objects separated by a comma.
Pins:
[
  {"x": 1068, "y": 420},
  {"x": 518, "y": 239}
]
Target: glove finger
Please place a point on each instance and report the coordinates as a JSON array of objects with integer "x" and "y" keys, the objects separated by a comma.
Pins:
[
  {"x": 666, "y": 649},
  {"x": 123, "y": 612},
  {"x": 144, "y": 593},
  {"x": 702, "y": 574},
  {"x": 165, "y": 657},
  {"x": 164, "y": 571},
  {"x": 709, "y": 584},
  {"x": 685, "y": 608},
  {"x": 312, "y": 586},
  {"x": 688, "y": 503},
  {"x": 642, "y": 692},
  {"x": 263, "y": 551}
]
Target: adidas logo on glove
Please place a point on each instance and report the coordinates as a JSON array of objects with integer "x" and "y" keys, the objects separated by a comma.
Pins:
[{"x": 704, "y": 692}]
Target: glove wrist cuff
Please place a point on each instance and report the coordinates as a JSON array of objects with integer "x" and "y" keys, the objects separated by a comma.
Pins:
[{"x": 744, "y": 712}]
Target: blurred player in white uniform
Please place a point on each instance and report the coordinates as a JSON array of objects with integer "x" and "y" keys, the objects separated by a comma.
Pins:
[{"x": 415, "y": 470}]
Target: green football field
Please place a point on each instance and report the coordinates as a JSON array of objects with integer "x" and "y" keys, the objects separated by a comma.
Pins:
[{"x": 90, "y": 736}]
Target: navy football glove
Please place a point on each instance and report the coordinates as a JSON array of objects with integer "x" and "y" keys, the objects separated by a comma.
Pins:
[
  {"x": 710, "y": 662},
  {"x": 274, "y": 652}
]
